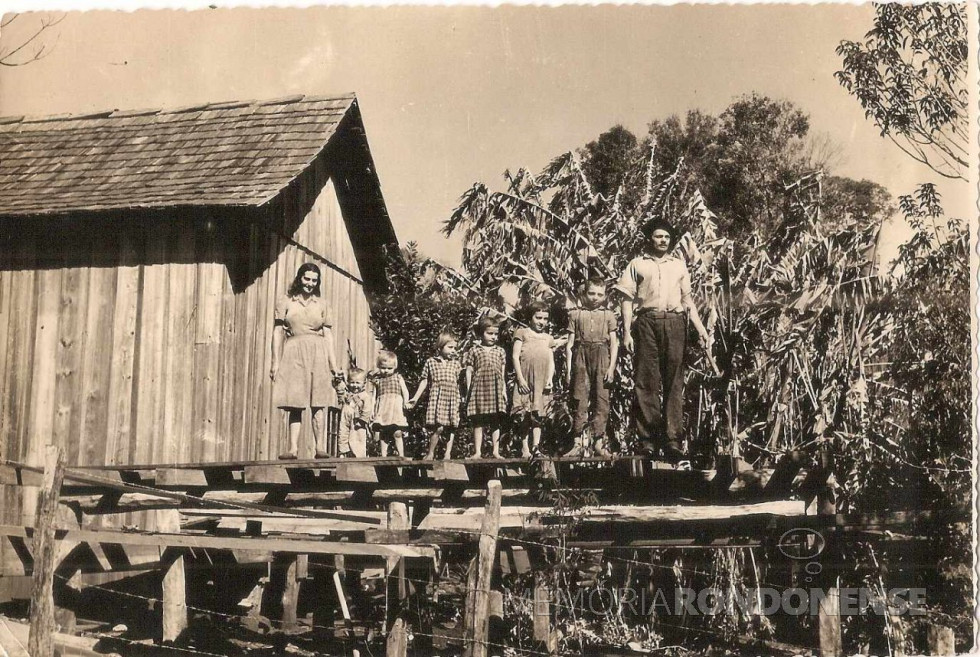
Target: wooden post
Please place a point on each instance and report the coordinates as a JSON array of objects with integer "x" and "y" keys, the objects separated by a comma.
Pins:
[
  {"x": 475, "y": 632},
  {"x": 896, "y": 631},
  {"x": 542, "y": 613},
  {"x": 398, "y": 521},
  {"x": 828, "y": 624},
  {"x": 40, "y": 643},
  {"x": 339, "y": 572},
  {"x": 941, "y": 640},
  {"x": 397, "y": 640},
  {"x": 290, "y": 594},
  {"x": 828, "y": 613},
  {"x": 397, "y": 586},
  {"x": 174, "y": 582},
  {"x": 469, "y": 602}
]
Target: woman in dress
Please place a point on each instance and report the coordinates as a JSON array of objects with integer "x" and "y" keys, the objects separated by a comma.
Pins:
[{"x": 303, "y": 361}]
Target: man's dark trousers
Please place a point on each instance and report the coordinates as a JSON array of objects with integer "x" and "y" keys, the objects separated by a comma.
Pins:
[{"x": 659, "y": 340}]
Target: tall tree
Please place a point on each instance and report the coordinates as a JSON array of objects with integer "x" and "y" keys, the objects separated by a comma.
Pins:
[
  {"x": 909, "y": 75},
  {"x": 607, "y": 161},
  {"x": 743, "y": 159},
  {"x": 760, "y": 148},
  {"x": 846, "y": 200}
]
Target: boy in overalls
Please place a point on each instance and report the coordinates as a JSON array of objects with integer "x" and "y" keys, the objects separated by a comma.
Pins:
[{"x": 591, "y": 356}]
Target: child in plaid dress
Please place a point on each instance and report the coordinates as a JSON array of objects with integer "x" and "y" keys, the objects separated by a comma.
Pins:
[
  {"x": 391, "y": 396},
  {"x": 486, "y": 403},
  {"x": 440, "y": 376}
]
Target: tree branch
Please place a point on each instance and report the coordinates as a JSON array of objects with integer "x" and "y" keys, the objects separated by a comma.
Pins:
[{"x": 6, "y": 58}]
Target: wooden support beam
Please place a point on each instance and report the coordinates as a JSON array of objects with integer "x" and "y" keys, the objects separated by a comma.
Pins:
[
  {"x": 398, "y": 522},
  {"x": 341, "y": 596},
  {"x": 252, "y": 605},
  {"x": 828, "y": 613},
  {"x": 290, "y": 594},
  {"x": 296, "y": 546},
  {"x": 102, "y": 483},
  {"x": 40, "y": 643},
  {"x": 475, "y": 634},
  {"x": 174, "y": 580},
  {"x": 828, "y": 624},
  {"x": 397, "y": 640},
  {"x": 543, "y": 632}
]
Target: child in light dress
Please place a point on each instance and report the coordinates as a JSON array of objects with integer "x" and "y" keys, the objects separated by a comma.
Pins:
[
  {"x": 440, "y": 378},
  {"x": 391, "y": 397},
  {"x": 534, "y": 367}
]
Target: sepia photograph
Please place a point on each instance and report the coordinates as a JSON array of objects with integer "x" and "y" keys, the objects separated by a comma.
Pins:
[{"x": 488, "y": 331}]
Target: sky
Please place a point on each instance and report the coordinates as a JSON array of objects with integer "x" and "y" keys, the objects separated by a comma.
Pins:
[{"x": 456, "y": 95}]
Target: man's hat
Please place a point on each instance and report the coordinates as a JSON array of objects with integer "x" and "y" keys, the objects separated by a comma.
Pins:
[{"x": 659, "y": 224}]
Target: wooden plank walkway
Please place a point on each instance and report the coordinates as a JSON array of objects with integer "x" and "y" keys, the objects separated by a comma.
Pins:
[{"x": 364, "y": 483}]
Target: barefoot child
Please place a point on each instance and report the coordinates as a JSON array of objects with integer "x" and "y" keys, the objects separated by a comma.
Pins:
[
  {"x": 391, "y": 396},
  {"x": 355, "y": 416},
  {"x": 591, "y": 356},
  {"x": 440, "y": 377},
  {"x": 486, "y": 403},
  {"x": 534, "y": 365}
]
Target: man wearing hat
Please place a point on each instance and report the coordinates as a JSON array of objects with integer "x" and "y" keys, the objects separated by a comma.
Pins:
[{"x": 656, "y": 305}]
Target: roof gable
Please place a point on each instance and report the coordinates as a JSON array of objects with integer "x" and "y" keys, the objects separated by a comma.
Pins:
[{"x": 220, "y": 154}]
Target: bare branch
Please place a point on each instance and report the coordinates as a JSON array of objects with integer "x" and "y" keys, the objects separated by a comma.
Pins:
[{"x": 41, "y": 50}]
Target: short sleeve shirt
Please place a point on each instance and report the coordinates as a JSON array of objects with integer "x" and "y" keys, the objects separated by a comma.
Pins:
[
  {"x": 656, "y": 284},
  {"x": 591, "y": 325},
  {"x": 302, "y": 316}
]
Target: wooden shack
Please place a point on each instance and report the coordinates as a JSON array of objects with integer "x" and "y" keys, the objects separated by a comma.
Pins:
[{"x": 141, "y": 255}]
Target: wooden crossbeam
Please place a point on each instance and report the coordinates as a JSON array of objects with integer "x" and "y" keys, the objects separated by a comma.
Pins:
[
  {"x": 329, "y": 462},
  {"x": 297, "y": 546},
  {"x": 173, "y": 495}
]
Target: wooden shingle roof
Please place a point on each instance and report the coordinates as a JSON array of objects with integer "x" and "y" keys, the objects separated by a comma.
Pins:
[{"x": 220, "y": 154}]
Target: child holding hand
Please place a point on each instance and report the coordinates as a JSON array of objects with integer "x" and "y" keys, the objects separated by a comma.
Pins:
[
  {"x": 486, "y": 403},
  {"x": 440, "y": 378},
  {"x": 534, "y": 365},
  {"x": 391, "y": 395}
]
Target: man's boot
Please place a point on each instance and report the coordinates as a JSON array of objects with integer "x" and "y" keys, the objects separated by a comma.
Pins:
[{"x": 674, "y": 455}]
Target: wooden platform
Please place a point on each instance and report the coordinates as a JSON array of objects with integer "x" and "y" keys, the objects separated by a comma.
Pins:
[
  {"x": 248, "y": 510},
  {"x": 373, "y": 482}
]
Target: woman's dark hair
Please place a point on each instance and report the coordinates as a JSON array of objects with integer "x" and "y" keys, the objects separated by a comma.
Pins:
[{"x": 297, "y": 285}]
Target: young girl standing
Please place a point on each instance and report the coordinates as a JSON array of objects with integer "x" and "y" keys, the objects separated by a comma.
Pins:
[
  {"x": 486, "y": 403},
  {"x": 440, "y": 376},
  {"x": 534, "y": 365},
  {"x": 391, "y": 395}
]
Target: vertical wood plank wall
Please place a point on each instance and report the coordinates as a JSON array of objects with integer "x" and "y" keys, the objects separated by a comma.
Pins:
[{"x": 133, "y": 344}]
